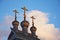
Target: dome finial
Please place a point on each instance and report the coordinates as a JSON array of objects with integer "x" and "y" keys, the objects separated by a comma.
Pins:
[
  {"x": 33, "y": 28},
  {"x": 32, "y": 20},
  {"x": 24, "y": 8},
  {"x": 15, "y": 14},
  {"x": 15, "y": 23}
]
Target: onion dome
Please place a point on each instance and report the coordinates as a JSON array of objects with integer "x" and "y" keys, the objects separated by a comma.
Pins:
[
  {"x": 33, "y": 29},
  {"x": 24, "y": 23},
  {"x": 15, "y": 23}
]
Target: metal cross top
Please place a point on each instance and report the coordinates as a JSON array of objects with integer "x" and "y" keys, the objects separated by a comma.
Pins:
[
  {"x": 33, "y": 20},
  {"x": 15, "y": 14},
  {"x": 24, "y": 8}
]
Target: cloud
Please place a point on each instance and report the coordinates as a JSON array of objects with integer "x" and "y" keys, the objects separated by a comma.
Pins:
[
  {"x": 57, "y": 33},
  {"x": 5, "y": 26},
  {"x": 45, "y": 31},
  {"x": 7, "y": 22},
  {"x": 4, "y": 33},
  {"x": 43, "y": 18}
]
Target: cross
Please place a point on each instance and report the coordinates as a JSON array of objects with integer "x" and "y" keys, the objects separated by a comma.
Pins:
[
  {"x": 24, "y": 8},
  {"x": 15, "y": 14},
  {"x": 33, "y": 20}
]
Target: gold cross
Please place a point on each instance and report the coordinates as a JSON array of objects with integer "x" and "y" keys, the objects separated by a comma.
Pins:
[
  {"x": 33, "y": 20},
  {"x": 15, "y": 14},
  {"x": 24, "y": 8}
]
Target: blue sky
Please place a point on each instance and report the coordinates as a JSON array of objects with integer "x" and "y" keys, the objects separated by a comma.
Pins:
[
  {"x": 52, "y": 7},
  {"x": 49, "y": 6}
]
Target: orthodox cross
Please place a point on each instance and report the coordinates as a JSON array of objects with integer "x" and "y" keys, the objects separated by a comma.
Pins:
[
  {"x": 15, "y": 14},
  {"x": 33, "y": 20},
  {"x": 24, "y": 8}
]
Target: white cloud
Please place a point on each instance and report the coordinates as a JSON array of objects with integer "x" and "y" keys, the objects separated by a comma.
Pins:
[
  {"x": 43, "y": 18},
  {"x": 5, "y": 26},
  {"x": 44, "y": 30},
  {"x": 4, "y": 33},
  {"x": 8, "y": 20}
]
